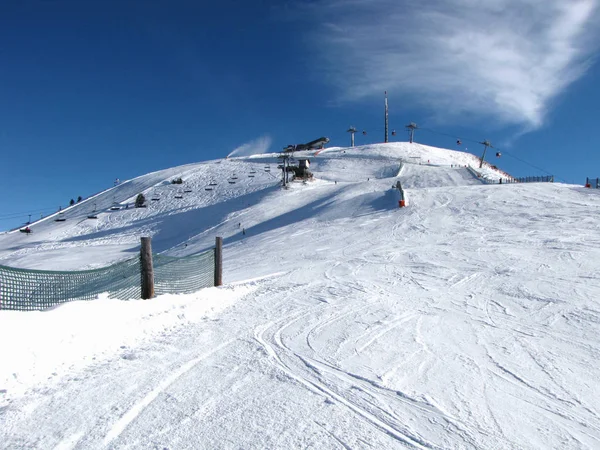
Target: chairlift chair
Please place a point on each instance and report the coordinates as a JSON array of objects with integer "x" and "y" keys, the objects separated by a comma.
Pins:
[{"x": 93, "y": 215}]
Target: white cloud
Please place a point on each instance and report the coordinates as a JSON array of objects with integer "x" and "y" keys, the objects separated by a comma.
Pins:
[
  {"x": 255, "y": 147},
  {"x": 499, "y": 59}
]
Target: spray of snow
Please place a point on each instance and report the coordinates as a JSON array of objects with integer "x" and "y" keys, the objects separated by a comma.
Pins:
[{"x": 255, "y": 147}]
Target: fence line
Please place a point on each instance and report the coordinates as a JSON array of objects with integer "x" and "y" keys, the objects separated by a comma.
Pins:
[
  {"x": 183, "y": 275},
  {"x": 31, "y": 290},
  {"x": 545, "y": 179},
  {"x": 511, "y": 180}
]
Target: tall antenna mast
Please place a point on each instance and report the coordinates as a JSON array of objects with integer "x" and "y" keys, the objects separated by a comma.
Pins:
[
  {"x": 386, "y": 118},
  {"x": 351, "y": 130},
  {"x": 411, "y": 127},
  {"x": 486, "y": 144}
]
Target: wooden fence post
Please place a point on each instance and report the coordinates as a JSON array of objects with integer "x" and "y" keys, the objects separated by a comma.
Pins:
[
  {"x": 147, "y": 268},
  {"x": 219, "y": 261}
]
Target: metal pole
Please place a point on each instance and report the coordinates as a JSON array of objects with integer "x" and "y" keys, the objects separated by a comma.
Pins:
[
  {"x": 486, "y": 144},
  {"x": 386, "y": 118},
  {"x": 147, "y": 270},
  {"x": 412, "y": 127},
  {"x": 218, "y": 261},
  {"x": 351, "y": 130},
  {"x": 483, "y": 157}
]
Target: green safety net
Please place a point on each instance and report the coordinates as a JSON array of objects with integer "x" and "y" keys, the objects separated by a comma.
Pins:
[
  {"x": 30, "y": 290},
  {"x": 183, "y": 275},
  {"x": 27, "y": 290}
]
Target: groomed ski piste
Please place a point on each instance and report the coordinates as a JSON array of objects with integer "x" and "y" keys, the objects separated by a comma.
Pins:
[{"x": 468, "y": 319}]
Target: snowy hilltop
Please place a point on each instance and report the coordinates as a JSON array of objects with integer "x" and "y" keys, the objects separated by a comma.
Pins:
[{"x": 467, "y": 319}]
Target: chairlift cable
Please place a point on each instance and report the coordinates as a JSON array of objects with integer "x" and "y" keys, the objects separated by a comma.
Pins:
[{"x": 496, "y": 148}]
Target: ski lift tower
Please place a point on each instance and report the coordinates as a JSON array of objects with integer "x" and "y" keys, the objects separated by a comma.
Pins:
[
  {"x": 285, "y": 162},
  {"x": 486, "y": 144},
  {"x": 411, "y": 127},
  {"x": 386, "y": 118},
  {"x": 351, "y": 130}
]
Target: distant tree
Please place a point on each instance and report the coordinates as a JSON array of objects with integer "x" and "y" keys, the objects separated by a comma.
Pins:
[
  {"x": 140, "y": 200},
  {"x": 72, "y": 202},
  {"x": 79, "y": 199}
]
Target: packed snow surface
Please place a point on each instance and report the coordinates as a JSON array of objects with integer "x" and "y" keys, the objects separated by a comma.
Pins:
[{"x": 469, "y": 319}]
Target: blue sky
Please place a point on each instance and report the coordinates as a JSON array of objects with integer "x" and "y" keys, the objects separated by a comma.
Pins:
[{"x": 97, "y": 90}]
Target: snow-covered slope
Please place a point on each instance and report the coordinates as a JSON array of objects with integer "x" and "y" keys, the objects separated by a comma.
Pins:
[
  {"x": 467, "y": 320},
  {"x": 216, "y": 197}
]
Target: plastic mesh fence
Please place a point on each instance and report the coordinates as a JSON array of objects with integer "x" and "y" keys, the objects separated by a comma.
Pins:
[
  {"x": 183, "y": 275},
  {"x": 28, "y": 290}
]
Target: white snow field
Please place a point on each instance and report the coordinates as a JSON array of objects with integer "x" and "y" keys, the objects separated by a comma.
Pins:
[{"x": 469, "y": 319}]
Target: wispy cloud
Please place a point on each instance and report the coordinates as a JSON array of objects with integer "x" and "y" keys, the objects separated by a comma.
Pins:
[
  {"x": 499, "y": 59},
  {"x": 255, "y": 147}
]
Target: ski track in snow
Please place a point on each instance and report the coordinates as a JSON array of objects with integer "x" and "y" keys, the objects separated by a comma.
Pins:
[{"x": 135, "y": 411}]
